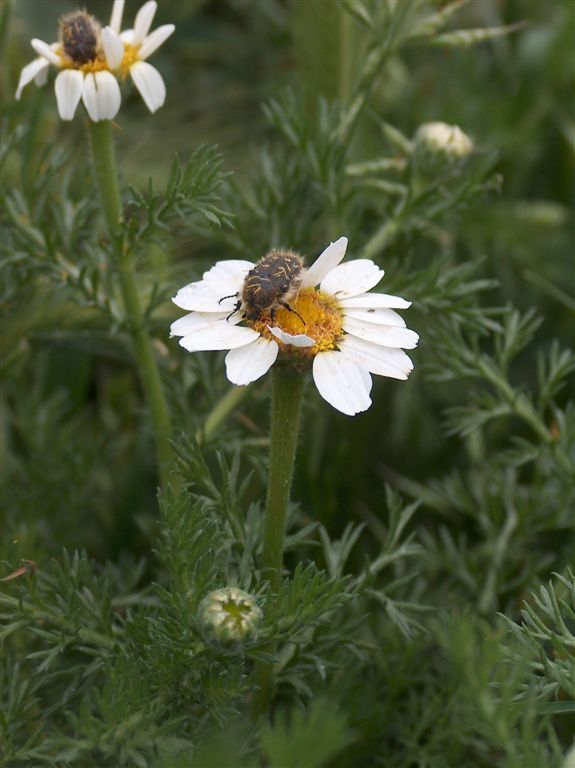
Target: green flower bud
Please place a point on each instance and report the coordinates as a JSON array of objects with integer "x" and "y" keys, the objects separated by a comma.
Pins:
[
  {"x": 439, "y": 147},
  {"x": 231, "y": 614}
]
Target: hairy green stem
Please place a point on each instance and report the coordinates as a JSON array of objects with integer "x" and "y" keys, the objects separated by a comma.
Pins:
[
  {"x": 107, "y": 176},
  {"x": 287, "y": 389}
]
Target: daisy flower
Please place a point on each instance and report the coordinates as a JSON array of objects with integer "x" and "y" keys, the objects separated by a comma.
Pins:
[
  {"x": 127, "y": 51},
  {"x": 92, "y": 59},
  {"x": 342, "y": 329},
  {"x": 85, "y": 71}
]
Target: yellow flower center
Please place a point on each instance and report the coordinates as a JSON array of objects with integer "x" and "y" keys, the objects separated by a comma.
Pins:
[
  {"x": 131, "y": 56},
  {"x": 322, "y": 321},
  {"x": 98, "y": 64}
]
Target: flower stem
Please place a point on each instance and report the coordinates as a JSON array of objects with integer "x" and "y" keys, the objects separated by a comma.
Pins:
[
  {"x": 107, "y": 176},
  {"x": 220, "y": 412},
  {"x": 287, "y": 389}
]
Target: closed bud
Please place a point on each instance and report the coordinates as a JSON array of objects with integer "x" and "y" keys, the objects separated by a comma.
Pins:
[
  {"x": 440, "y": 147},
  {"x": 231, "y": 614}
]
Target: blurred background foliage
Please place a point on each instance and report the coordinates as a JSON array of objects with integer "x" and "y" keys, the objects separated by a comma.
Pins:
[{"x": 450, "y": 501}]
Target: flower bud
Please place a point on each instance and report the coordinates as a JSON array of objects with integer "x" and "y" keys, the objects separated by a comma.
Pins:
[
  {"x": 440, "y": 147},
  {"x": 231, "y": 614}
]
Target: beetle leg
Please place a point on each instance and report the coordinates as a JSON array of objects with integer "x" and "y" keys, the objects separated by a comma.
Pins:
[
  {"x": 231, "y": 296},
  {"x": 235, "y": 309}
]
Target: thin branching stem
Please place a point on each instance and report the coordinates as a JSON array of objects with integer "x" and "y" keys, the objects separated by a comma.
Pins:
[{"x": 107, "y": 176}]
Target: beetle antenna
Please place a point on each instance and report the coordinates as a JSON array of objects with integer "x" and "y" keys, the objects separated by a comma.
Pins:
[{"x": 285, "y": 305}]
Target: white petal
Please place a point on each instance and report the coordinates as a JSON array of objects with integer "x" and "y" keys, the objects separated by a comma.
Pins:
[
  {"x": 197, "y": 297},
  {"x": 149, "y": 82},
  {"x": 31, "y": 72},
  {"x": 228, "y": 275},
  {"x": 382, "y": 361},
  {"x": 299, "y": 340},
  {"x": 225, "y": 278},
  {"x": 144, "y": 19},
  {"x": 221, "y": 336},
  {"x": 342, "y": 382},
  {"x": 385, "y": 335},
  {"x": 42, "y": 75},
  {"x": 101, "y": 96},
  {"x": 326, "y": 261},
  {"x": 246, "y": 364},
  {"x": 45, "y": 50},
  {"x": 198, "y": 320},
  {"x": 113, "y": 47},
  {"x": 375, "y": 300},
  {"x": 116, "y": 17},
  {"x": 68, "y": 87},
  {"x": 155, "y": 40},
  {"x": 352, "y": 278},
  {"x": 127, "y": 36},
  {"x": 377, "y": 316}
]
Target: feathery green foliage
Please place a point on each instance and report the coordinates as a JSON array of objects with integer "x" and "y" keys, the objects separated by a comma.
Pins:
[{"x": 427, "y": 612}]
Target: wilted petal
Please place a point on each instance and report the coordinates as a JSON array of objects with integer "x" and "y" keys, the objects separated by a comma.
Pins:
[
  {"x": 352, "y": 278},
  {"x": 246, "y": 364},
  {"x": 155, "y": 40},
  {"x": 31, "y": 72},
  {"x": 298, "y": 340},
  {"x": 68, "y": 86},
  {"x": 149, "y": 82},
  {"x": 325, "y": 262},
  {"x": 342, "y": 382}
]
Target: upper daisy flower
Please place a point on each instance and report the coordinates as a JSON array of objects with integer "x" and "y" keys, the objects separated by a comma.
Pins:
[
  {"x": 127, "y": 51},
  {"x": 343, "y": 329},
  {"x": 91, "y": 60}
]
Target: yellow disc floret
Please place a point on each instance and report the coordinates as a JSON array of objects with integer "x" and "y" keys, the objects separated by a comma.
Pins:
[
  {"x": 131, "y": 56},
  {"x": 322, "y": 321}
]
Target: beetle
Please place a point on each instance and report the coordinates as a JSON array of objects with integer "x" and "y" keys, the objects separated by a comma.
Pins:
[{"x": 272, "y": 283}]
